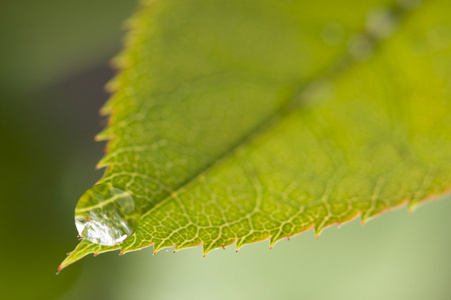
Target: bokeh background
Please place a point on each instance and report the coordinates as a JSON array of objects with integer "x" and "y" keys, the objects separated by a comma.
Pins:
[{"x": 53, "y": 67}]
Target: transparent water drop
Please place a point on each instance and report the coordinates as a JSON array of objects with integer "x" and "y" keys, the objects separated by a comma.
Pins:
[{"x": 106, "y": 215}]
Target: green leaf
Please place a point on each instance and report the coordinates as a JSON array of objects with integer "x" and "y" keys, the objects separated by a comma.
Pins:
[{"x": 243, "y": 121}]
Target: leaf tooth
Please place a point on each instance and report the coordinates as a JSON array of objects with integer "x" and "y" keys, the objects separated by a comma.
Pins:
[
  {"x": 369, "y": 215},
  {"x": 83, "y": 248},
  {"x": 414, "y": 203},
  {"x": 275, "y": 237},
  {"x": 107, "y": 108},
  {"x": 135, "y": 243},
  {"x": 317, "y": 233},
  {"x": 104, "y": 135},
  {"x": 215, "y": 244},
  {"x": 120, "y": 61},
  {"x": 112, "y": 86},
  {"x": 124, "y": 250},
  {"x": 318, "y": 228},
  {"x": 206, "y": 248},
  {"x": 103, "y": 163},
  {"x": 178, "y": 247},
  {"x": 238, "y": 244},
  {"x": 364, "y": 218},
  {"x": 191, "y": 244},
  {"x": 157, "y": 247},
  {"x": 252, "y": 238},
  {"x": 372, "y": 213},
  {"x": 349, "y": 218}
]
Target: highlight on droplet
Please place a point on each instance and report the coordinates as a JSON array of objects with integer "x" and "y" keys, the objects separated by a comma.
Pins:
[{"x": 106, "y": 215}]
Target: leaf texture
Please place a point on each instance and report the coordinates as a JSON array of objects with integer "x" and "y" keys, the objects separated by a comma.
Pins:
[{"x": 242, "y": 121}]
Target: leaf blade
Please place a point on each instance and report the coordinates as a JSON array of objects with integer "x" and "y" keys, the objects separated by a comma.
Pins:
[{"x": 252, "y": 213}]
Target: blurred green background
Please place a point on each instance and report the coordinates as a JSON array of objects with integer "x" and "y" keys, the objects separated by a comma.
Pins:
[{"x": 54, "y": 63}]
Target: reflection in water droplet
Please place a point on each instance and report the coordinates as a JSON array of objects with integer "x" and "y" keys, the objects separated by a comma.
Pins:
[{"x": 106, "y": 215}]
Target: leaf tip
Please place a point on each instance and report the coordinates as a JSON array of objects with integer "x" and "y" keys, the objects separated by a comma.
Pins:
[
  {"x": 63, "y": 265},
  {"x": 59, "y": 269}
]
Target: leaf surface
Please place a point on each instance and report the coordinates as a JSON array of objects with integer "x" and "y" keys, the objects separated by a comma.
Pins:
[{"x": 241, "y": 121}]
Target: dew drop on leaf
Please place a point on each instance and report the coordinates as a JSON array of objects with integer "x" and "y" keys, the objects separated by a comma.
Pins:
[{"x": 106, "y": 215}]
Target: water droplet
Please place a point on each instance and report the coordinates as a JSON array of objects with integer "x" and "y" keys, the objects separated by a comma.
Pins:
[{"x": 106, "y": 215}]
